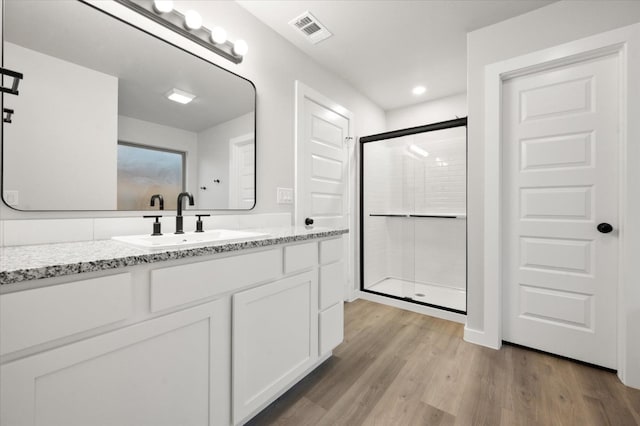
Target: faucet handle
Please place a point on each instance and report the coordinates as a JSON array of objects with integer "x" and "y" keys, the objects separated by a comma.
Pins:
[
  {"x": 199, "y": 222},
  {"x": 156, "y": 224},
  {"x": 152, "y": 203}
]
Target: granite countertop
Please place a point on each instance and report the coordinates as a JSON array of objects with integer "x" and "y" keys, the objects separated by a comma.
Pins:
[{"x": 26, "y": 263}]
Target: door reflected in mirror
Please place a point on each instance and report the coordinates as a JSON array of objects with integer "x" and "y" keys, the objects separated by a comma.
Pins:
[{"x": 101, "y": 120}]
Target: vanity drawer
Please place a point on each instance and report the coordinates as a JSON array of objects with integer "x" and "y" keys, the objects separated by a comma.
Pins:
[
  {"x": 178, "y": 285},
  {"x": 331, "y": 328},
  {"x": 330, "y": 250},
  {"x": 300, "y": 256},
  {"x": 331, "y": 284},
  {"x": 32, "y": 317}
]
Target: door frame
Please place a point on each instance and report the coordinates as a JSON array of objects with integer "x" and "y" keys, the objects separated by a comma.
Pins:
[
  {"x": 302, "y": 92},
  {"x": 624, "y": 42}
]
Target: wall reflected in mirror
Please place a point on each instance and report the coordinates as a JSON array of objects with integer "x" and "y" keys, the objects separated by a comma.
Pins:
[{"x": 95, "y": 95}]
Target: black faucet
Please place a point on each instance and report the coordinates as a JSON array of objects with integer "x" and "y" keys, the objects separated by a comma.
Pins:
[
  {"x": 160, "y": 199},
  {"x": 179, "y": 216}
]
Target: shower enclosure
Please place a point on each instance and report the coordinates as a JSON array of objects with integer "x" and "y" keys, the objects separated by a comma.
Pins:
[{"x": 413, "y": 195}]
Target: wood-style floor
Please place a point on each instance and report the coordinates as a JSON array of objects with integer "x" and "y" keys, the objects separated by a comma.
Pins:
[{"x": 400, "y": 368}]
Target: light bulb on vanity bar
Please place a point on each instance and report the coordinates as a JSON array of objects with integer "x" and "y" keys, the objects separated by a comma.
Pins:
[
  {"x": 192, "y": 20},
  {"x": 163, "y": 6},
  {"x": 218, "y": 35},
  {"x": 240, "y": 47}
]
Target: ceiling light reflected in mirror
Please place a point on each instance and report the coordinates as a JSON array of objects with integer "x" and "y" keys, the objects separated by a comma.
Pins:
[
  {"x": 180, "y": 96},
  {"x": 419, "y": 151}
]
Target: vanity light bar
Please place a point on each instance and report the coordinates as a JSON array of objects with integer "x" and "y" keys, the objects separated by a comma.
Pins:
[{"x": 176, "y": 21}]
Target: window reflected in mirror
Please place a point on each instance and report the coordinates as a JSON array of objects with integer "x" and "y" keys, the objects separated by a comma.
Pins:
[{"x": 143, "y": 172}]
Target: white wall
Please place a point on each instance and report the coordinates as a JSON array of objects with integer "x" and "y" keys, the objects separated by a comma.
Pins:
[
  {"x": 56, "y": 96},
  {"x": 552, "y": 25},
  {"x": 156, "y": 135},
  {"x": 213, "y": 160},
  {"x": 442, "y": 109},
  {"x": 273, "y": 64}
]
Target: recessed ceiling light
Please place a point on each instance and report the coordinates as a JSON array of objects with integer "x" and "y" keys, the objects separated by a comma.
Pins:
[
  {"x": 180, "y": 96},
  {"x": 418, "y": 90}
]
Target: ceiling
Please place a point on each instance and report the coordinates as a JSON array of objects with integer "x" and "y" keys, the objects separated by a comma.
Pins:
[{"x": 386, "y": 47}]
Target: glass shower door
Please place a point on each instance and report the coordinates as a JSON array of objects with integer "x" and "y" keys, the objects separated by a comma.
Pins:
[
  {"x": 389, "y": 232},
  {"x": 413, "y": 216},
  {"x": 440, "y": 218}
]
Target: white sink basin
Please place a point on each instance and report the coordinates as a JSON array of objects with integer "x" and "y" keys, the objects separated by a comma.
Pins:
[{"x": 189, "y": 239}]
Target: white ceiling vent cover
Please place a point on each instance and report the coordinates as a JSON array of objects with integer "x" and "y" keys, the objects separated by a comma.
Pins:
[{"x": 310, "y": 28}]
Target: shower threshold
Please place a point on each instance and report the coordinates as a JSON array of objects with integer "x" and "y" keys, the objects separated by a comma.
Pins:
[{"x": 435, "y": 295}]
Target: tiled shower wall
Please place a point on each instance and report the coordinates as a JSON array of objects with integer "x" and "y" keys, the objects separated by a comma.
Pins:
[{"x": 397, "y": 180}]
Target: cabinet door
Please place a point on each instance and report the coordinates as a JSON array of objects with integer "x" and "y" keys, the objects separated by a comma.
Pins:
[
  {"x": 158, "y": 372},
  {"x": 86, "y": 304},
  {"x": 275, "y": 339},
  {"x": 331, "y": 328},
  {"x": 331, "y": 286}
]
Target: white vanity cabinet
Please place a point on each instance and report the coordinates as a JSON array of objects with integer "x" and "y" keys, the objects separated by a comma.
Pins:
[
  {"x": 156, "y": 372},
  {"x": 332, "y": 285},
  {"x": 207, "y": 340},
  {"x": 30, "y": 318},
  {"x": 275, "y": 339}
]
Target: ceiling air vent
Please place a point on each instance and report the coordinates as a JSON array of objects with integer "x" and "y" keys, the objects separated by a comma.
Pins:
[{"x": 310, "y": 28}]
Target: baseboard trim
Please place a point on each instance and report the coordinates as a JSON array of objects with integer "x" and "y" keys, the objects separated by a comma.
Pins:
[
  {"x": 353, "y": 295},
  {"x": 413, "y": 307},
  {"x": 478, "y": 337}
]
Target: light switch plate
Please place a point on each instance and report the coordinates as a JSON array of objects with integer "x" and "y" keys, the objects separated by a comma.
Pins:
[{"x": 284, "y": 195}]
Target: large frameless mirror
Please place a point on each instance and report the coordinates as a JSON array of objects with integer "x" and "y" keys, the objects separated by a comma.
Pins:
[{"x": 100, "y": 120}]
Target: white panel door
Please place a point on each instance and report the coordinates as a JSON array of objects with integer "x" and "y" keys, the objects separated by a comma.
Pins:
[
  {"x": 324, "y": 177},
  {"x": 324, "y": 165},
  {"x": 560, "y": 161},
  {"x": 241, "y": 173}
]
